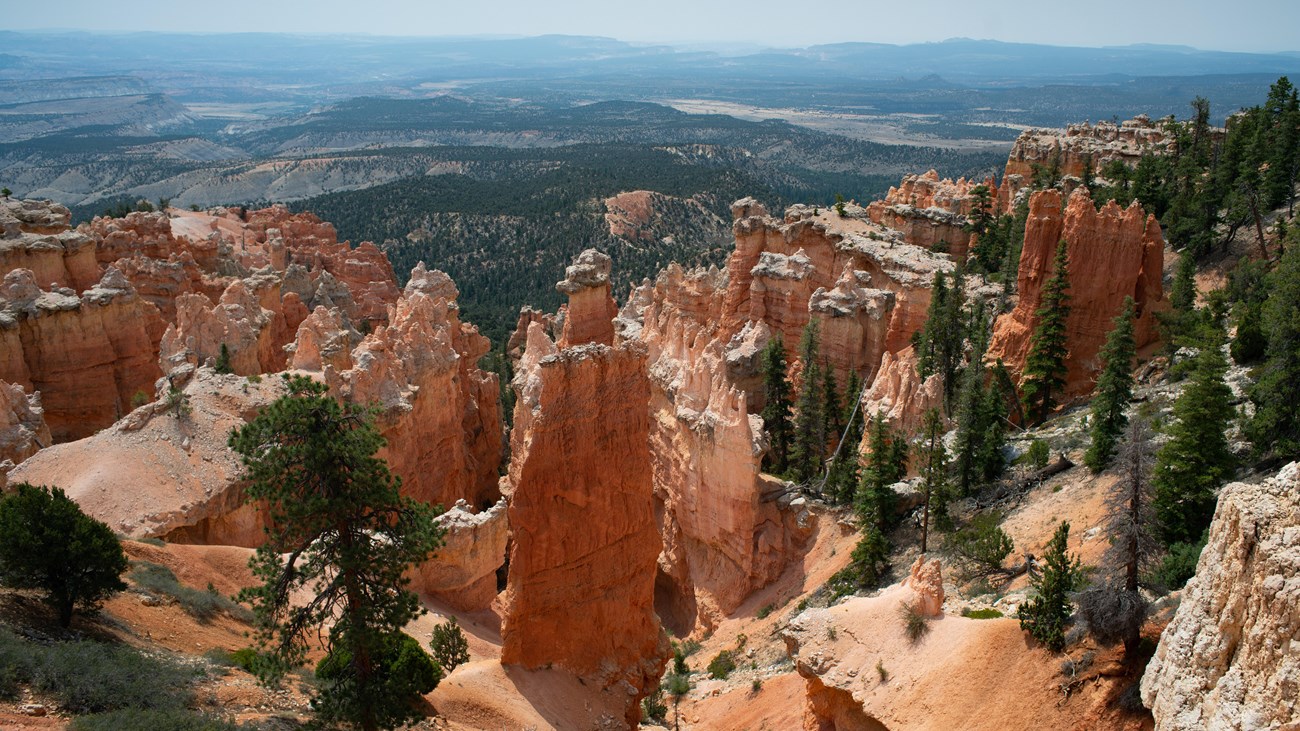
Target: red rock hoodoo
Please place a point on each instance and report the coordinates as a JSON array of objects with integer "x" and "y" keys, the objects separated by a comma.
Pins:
[{"x": 1113, "y": 253}]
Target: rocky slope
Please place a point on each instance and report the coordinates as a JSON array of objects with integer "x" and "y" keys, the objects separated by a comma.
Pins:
[{"x": 1229, "y": 658}]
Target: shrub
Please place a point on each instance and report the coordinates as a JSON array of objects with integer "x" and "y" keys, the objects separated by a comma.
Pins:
[
  {"x": 404, "y": 672},
  {"x": 756, "y": 685},
  {"x": 722, "y": 664},
  {"x": 1178, "y": 565},
  {"x": 140, "y": 398},
  {"x": 765, "y": 611},
  {"x": 653, "y": 706},
  {"x": 153, "y": 720},
  {"x": 1038, "y": 454},
  {"x": 914, "y": 622},
  {"x": 48, "y": 544},
  {"x": 449, "y": 645},
  {"x": 1113, "y": 615},
  {"x": 989, "y": 613},
  {"x": 881, "y": 671},
  {"x": 981, "y": 546},
  {"x": 177, "y": 402},
  {"x": 91, "y": 677},
  {"x": 159, "y": 580},
  {"x": 222, "y": 364}
]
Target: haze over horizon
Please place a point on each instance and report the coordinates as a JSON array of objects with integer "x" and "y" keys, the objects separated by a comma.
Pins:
[{"x": 1200, "y": 24}]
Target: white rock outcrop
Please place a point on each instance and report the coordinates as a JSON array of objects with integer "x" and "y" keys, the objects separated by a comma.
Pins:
[{"x": 1230, "y": 659}]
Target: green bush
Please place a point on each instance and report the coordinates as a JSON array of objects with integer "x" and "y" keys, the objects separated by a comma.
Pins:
[
  {"x": 1038, "y": 454},
  {"x": 48, "y": 544},
  {"x": 405, "y": 672},
  {"x": 153, "y": 720},
  {"x": 989, "y": 613},
  {"x": 722, "y": 665},
  {"x": 765, "y": 611},
  {"x": 203, "y": 605},
  {"x": 981, "y": 545},
  {"x": 1178, "y": 565},
  {"x": 92, "y": 677},
  {"x": 653, "y": 706},
  {"x": 915, "y": 623},
  {"x": 449, "y": 645}
]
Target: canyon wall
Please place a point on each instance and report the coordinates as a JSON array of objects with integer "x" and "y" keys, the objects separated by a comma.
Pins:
[
  {"x": 1229, "y": 658},
  {"x": 88, "y": 355},
  {"x": 463, "y": 573},
  {"x": 34, "y": 236},
  {"x": 23, "y": 430},
  {"x": 1113, "y": 253}
]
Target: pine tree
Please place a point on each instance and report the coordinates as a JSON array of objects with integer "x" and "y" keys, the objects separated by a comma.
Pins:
[
  {"x": 340, "y": 531},
  {"x": 1045, "y": 615},
  {"x": 776, "y": 409},
  {"x": 832, "y": 408},
  {"x": 809, "y": 442},
  {"x": 48, "y": 544},
  {"x": 1196, "y": 459},
  {"x": 886, "y": 464},
  {"x": 222, "y": 364},
  {"x": 1275, "y": 427},
  {"x": 1045, "y": 371},
  {"x": 933, "y": 458},
  {"x": 1113, "y": 391},
  {"x": 842, "y": 480},
  {"x": 977, "y": 455}
]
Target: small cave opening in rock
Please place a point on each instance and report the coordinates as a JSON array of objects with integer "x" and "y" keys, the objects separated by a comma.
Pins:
[{"x": 675, "y": 605}]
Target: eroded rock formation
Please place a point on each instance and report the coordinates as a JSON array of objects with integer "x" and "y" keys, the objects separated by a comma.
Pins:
[
  {"x": 22, "y": 423},
  {"x": 439, "y": 413},
  {"x": 1229, "y": 658},
  {"x": 34, "y": 236},
  {"x": 88, "y": 355},
  {"x": 164, "y": 470},
  {"x": 463, "y": 572},
  {"x": 1070, "y": 151},
  {"x": 252, "y": 320},
  {"x": 930, "y": 212},
  {"x": 1113, "y": 253},
  {"x": 582, "y": 514}
]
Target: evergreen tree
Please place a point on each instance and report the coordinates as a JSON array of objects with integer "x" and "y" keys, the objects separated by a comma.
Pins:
[
  {"x": 979, "y": 410},
  {"x": 1275, "y": 427},
  {"x": 48, "y": 544},
  {"x": 1113, "y": 391},
  {"x": 886, "y": 464},
  {"x": 776, "y": 409},
  {"x": 933, "y": 459},
  {"x": 842, "y": 480},
  {"x": 809, "y": 443},
  {"x": 450, "y": 648},
  {"x": 940, "y": 343},
  {"x": 1182, "y": 295},
  {"x": 1045, "y": 615},
  {"x": 340, "y": 531},
  {"x": 1196, "y": 459},
  {"x": 1044, "y": 374},
  {"x": 832, "y": 410},
  {"x": 222, "y": 364}
]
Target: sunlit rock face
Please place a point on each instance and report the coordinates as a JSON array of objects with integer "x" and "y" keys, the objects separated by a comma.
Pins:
[{"x": 1113, "y": 253}]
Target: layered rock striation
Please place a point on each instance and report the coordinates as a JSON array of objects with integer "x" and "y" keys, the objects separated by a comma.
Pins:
[
  {"x": 23, "y": 430},
  {"x": 930, "y": 212},
  {"x": 582, "y": 515},
  {"x": 1113, "y": 253},
  {"x": 439, "y": 413},
  {"x": 1230, "y": 658},
  {"x": 463, "y": 573},
  {"x": 88, "y": 355},
  {"x": 34, "y": 235}
]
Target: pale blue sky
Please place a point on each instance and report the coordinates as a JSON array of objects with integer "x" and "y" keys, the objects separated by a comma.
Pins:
[{"x": 1235, "y": 25}]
